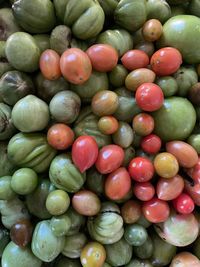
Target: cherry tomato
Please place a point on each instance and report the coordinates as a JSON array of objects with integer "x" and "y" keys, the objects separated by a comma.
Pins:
[
  {"x": 149, "y": 97},
  {"x": 156, "y": 210},
  {"x": 103, "y": 57},
  {"x": 117, "y": 184},
  {"x": 109, "y": 159},
  {"x": 108, "y": 124},
  {"x": 183, "y": 204},
  {"x": 131, "y": 211},
  {"x": 193, "y": 190},
  {"x": 141, "y": 169},
  {"x": 60, "y": 136},
  {"x": 135, "y": 59},
  {"x": 194, "y": 172},
  {"x": 185, "y": 259},
  {"x": 151, "y": 144},
  {"x": 84, "y": 152},
  {"x": 144, "y": 191},
  {"x": 143, "y": 124},
  {"x": 166, "y": 61},
  {"x": 75, "y": 66},
  {"x": 50, "y": 64},
  {"x": 93, "y": 255},
  {"x": 152, "y": 30}
]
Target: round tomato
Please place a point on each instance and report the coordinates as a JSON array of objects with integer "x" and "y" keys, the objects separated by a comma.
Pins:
[
  {"x": 144, "y": 191},
  {"x": 108, "y": 124},
  {"x": 183, "y": 204},
  {"x": 151, "y": 144},
  {"x": 93, "y": 254},
  {"x": 141, "y": 169},
  {"x": 135, "y": 59},
  {"x": 75, "y": 66},
  {"x": 143, "y": 124},
  {"x": 152, "y": 30}
]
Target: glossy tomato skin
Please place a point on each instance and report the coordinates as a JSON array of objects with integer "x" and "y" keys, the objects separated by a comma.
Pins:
[
  {"x": 108, "y": 124},
  {"x": 50, "y": 64},
  {"x": 183, "y": 204},
  {"x": 151, "y": 144},
  {"x": 143, "y": 124},
  {"x": 152, "y": 30},
  {"x": 194, "y": 172},
  {"x": 149, "y": 97},
  {"x": 75, "y": 66},
  {"x": 117, "y": 184},
  {"x": 166, "y": 61},
  {"x": 93, "y": 254},
  {"x": 135, "y": 59},
  {"x": 84, "y": 152},
  {"x": 144, "y": 191},
  {"x": 109, "y": 159},
  {"x": 141, "y": 169}
]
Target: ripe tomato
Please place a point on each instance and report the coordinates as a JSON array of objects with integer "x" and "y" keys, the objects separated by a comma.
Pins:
[
  {"x": 166, "y": 61},
  {"x": 93, "y": 254},
  {"x": 141, "y": 169},
  {"x": 103, "y": 57},
  {"x": 60, "y": 136},
  {"x": 151, "y": 144},
  {"x": 183, "y": 204},
  {"x": 50, "y": 64},
  {"x": 117, "y": 184},
  {"x": 194, "y": 172},
  {"x": 193, "y": 190},
  {"x": 109, "y": 159},
  {"x": 135, "y": 59},
  {"x": 75, "y": 66},
  {"x": 152, "y": 30},
  {"x": 84, "y": 152},
  {"x": 144, "y": 191},
  {"x": 143, "y": 124},
  {"x": 108, "y": 124},
  {"x": 149, "y": 97},
  {"x": 156, "y": 210}
]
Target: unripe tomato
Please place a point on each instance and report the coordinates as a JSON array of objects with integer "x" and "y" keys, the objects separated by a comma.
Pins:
[
  {"x": 135, "y": 59},
  {"x": 131, "y": 211},
  {"x": 108, "y": 124},
  {"x": 93, "y": 255},
  {"x": 141, "y": 169},
  {"x": 50, "y": 64},
  {"x": 152, "y": 30},
  {"x": 143, "y": 124}
]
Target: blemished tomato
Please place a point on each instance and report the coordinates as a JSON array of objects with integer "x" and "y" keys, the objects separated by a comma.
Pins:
[
  {"x": 117, "y": 184},
  {"x": 108, "y": 124},
  {"x": 166, "y": 61},
  {"x": 131, "y": 211},
  {"x": 152, "y": 30},
  {"x": 135, "y": 59},
  {"x": 84, "y": 152},
  {"x": 93, "y": 254},
  {"x": 144, "y": 191},
  {"x": 109, "y": 159},
  {"x": 103, "y": 57},
  {"x": 143, "y": 124},
  {"x": 151, "y": 144},
  {"x": 149, "y": 97},
  {"x": 75, "y": 66},
  {"x": 141, "y": 169},
  {"x": 183, "y": 204},
  {"x": 50, "y": 64},
  {"x": 60, "y": 136},
  {"x": 194, "y": 172},
  {"x": 156, "y": 210}
]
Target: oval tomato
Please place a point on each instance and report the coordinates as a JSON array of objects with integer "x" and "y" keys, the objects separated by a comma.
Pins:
[
  {"x": 135, "y": 59},
  {"x": 151, "y": 144},
  {"x": 152, "y": 30},
  {"x": 144, "y": 191},
  {"x": 50, "y": 64},
  {"x": 141, "y": 169}
]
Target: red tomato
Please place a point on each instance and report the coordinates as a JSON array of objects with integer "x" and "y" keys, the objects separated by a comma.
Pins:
[
  {"x": 144, "y": 191},
  {"x": 117, "y": 184},
  {"x": 135, "y": 59},
  {"x": 194, "y": 172},
  {"x": 50, "y": 64},
  {"x": 149, "y": 96},
  {"x": 60, "y": 136},
  {"x": 109, "y": 159},
  {"x": 75, "y": 66},
  {"x": 151, "y": 144},
  {"x": 143, "y": 124},
  {"x": 141, "y": 169},
  {"x": 166, "y": 61},
  {"x": 84, "y": 152},
  {"x": 104, "y": 57},
  {"x": 156, "y": 210},
  {"x": 183, "y": 204},
  {"x": 193, "y": 190}
]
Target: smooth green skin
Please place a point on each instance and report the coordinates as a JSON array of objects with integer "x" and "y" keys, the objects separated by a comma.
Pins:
[
  {"x": 57, "y": 202},
  {"x": 98, "y": 81},
  {"x": 4, "y": 239},
  {"x": 108, "y": 6},
  {"x": 124, "y": 135},
  {"x": 37, "y": 16},
  {"x": 135, "y": 234},
  {"x": 194, "y": 8},
  {"x": 60, "y": 225},
  {"x": 175, "y": 120},
  {"x": 45, "y": 245},
  {"x": 129, "y": 155},
  {"x": 36, "y": 201},
  {"x": 24, "y": 181},
  {"x": 131, "y": 14},
  {"x": 65, "y": 106},
  {"x": 168, "y": 84},
  {"x": 7, "y": 129},
  {"x": 6, "y": 192},
  {"x": 31, "y": 150},
  {"x": 194, "y": 140},
  {"x": 65, "y": 175},
  {"x": 15, "y": 85},
  {"x": 60, "y": 38},
  {"x": 139, "y": 263},
  {"x": 196, "y": 248},
  {"x": 158, "y": 9},
  {"x": 14, "y": 256},
  {"x": 63, "y": 262},
  {"x": 73, "y": 245},
  {"x": 95, "y": 181},
  {"x": 120, "y": 39},
  {"x": 6, "y": 166},
  {"x": 185, "y": 77},
  {"x": 145, "y": 251},
  {"x": 119, "y": 253},
  {"x": 179, "y": 32},
  {"x": 4, "y": 64},
  {"x": 43, "y": 41},
  {"x": 77, "y": 221},
  {"x": 118, "y": 75}
]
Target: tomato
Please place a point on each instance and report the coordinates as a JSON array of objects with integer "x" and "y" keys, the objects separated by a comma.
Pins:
[
  {"x": 108, "y": 124},
  {"x": 93, "y": 255},
  {"x": 143, "y": 124},
  {"x": 141, "y": 169},
  {"x": 117, "y": 184},
  {"x": 103, "y": 57},
  {"x": 194, "y": 172},
  {"x": 109, "y": 159},
  {"x": 185, "y": 259},
  {"x": 166, "y": 61},
  {"x": 84, "y": 152},
  {"x": 50, "y": 64},
  {"x": 135, "y": 59},
  {"x": 75, "y": 66},
  {"x": 144, "y": 191},
  {"x": 131, "y": 211},
  {"x": 149, "y": 97},
  {"x": 151, "y": 144},
  {"x": 60, "y": 136},
  {"x": 193, "y": 190},
  {"x": 156, "y": 210},
  {"x": 183, "y": 204},
  {"x": 57, "y": 202},
  {"x": 152, "y": 30}
]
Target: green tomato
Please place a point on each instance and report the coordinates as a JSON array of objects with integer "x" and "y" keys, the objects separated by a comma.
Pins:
[
  {"x": 194, "y": 140},
  {"x": 6, "y": 192},
  {"x": 117, "y": 76},
  {"x": 135, "y": 234},
  {"x": 60, "y": 225},
  {"x": 168, "y": 84},
  {"x": 57, "y": 202}
]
